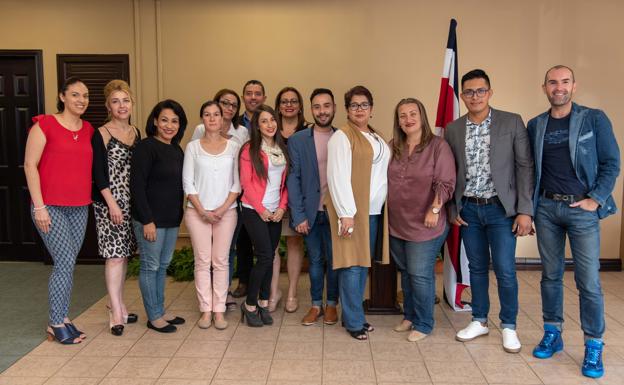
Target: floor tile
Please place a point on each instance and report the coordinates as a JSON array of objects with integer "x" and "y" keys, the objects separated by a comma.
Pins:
[
  {"x": 337, "y": 371},
  {"x": 395, "y": 351},
  {"x": 88, "y": 367},
  {"x": 203, "y": 349},
  {"x": 36, "y": 366},
  {"x": 461, "y": 372},
  {"x": 250, "y": 350},
  {"x": 508, "y": 373},
  {"x": 296, "y": 370},
  {"x": 347, "y": 350},
  {"x": 243, "y": 370},
  {"x": 139, "y": 367},
  {"x": 401, "y": 371},
  {"x": 146, "y": 347},
  {"x": 191, "y": 368}
]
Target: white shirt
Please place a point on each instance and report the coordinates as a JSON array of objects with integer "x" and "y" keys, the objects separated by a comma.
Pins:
[
  {"x": 271, "y": 198},
  {"x": 239, "y": 135},
  {"x": 211, "y": 177},
  {"x": 339, "y": 159}
]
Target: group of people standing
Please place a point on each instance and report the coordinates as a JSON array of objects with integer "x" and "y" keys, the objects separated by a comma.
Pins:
[{"x": 352, "y": 196}]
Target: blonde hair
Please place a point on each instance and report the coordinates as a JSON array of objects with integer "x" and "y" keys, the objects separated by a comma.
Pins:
[{"x": 116, "y": 85}]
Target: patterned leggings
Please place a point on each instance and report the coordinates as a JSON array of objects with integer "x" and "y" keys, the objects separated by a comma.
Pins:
[{"x": 63, "y": 241}]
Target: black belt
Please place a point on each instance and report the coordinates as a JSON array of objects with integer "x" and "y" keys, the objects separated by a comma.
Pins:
[
  {"x": 483, "y": 201},
  {"x": 571, "y": 198}
]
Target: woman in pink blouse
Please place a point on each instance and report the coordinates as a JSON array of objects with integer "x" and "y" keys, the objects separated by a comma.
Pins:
[{"x": 421, "y": 176}]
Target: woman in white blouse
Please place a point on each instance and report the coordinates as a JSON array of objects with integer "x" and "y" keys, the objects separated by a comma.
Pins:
[
  {"x": 357, "y": 167},
  {"x": 210, "y": 178}
]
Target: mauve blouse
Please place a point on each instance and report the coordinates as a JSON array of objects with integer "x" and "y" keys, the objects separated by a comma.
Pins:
[{"x": 412, "y": 183}]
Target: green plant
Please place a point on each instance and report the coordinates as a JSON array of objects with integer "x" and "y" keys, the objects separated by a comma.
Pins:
[
  {"x": 133, "y": 267},
  {"x": 182, "y": 266}
]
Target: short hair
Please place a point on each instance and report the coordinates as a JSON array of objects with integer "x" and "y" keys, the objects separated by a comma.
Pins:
[
  {"x": 208, "y": 104},
  {"x": 60, "y": 106},
  {"x": 320, "y": 91},
  {"x": 116, "y": 85},
  {"x": 475, "y": 74},
  {"x": 400, "y": 138},
  {"x": 254, "y": 82},
  {"x": 358, "y": 90},
  {"x": 300, "y": 118},
  {"x": 227, "y": 91},
  {"x": 150, "y": 127},
  {"x": 558, "y": 67}
]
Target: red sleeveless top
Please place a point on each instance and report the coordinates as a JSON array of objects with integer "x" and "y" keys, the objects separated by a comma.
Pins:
[{"x": 65, "y": 164}]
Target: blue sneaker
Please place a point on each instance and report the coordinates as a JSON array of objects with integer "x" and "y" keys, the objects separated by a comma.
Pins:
[
  {"x": 592, "y": 363},
  {"x": 550, "y": 344}
]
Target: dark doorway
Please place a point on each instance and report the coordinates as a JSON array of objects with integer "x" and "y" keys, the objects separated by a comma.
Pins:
[
  {"x": 95, "y": 71},
  {"x": 21, "y": 98}
]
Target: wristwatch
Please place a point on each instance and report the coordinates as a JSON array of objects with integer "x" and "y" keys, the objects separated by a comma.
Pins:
[{"x": 435, "y": 210}]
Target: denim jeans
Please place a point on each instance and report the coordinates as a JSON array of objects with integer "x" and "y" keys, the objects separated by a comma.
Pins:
[
  {"x": 489, "y": 232},
  {"x": 154, "y": 261},
  {"x": 416, "y": 262},
  {"x": 553, "y": 220},
  {"x": 318, "y": 243},
  {"x": 352, "y": 283}
]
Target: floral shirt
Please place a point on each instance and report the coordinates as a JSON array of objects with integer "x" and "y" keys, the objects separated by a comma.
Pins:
[{"x": 478, "y": 171}]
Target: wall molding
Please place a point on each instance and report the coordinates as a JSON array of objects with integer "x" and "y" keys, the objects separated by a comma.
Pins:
[{"x": 536, "y": 264}]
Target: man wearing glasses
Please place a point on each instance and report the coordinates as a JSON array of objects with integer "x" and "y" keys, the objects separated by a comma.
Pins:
[
  {"x": 577, "y": 162},
  {"x": 492, "y": 202}
]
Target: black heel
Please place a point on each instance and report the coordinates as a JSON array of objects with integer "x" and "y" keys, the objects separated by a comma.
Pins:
[
  {"x": 265, "y": 315},
  {"x": 253, "y": 318},
  {"x": 117, "y": 330}
]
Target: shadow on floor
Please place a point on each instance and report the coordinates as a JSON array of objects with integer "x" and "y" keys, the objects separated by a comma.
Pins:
[{"x": 24, "y": 304}]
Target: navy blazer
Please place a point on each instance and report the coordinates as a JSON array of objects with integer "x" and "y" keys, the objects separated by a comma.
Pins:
[{"x": 303, "y": 182}]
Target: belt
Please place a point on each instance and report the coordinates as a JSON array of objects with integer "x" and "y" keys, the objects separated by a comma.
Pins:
[
  {"x": 571, "y": 198},
  {"x": 483, "y": 201}
]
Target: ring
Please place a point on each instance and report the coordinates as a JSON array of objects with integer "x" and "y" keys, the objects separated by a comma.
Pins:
[{"x": 350, "y": 230}]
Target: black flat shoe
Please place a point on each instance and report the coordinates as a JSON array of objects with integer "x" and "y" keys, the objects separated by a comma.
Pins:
[
  {"x": 176, "y": 321},
  {"x": 117, "y": 330},
  {"x": 131, "y": 318},
  {"x": 165, "y": 329}
]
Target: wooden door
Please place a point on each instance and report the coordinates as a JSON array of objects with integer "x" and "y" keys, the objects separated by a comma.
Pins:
[
  {"x": 21, "y": 98},
  {"x": 95, "y": 71}
]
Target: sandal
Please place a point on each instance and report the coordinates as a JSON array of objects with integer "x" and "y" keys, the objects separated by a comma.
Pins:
[
  {"x": 273, "y": 302},
  {"x": 359, "y": 335},
  {"x": 368, "y": 327},
  {"x": 63, "y": 335},
  {"x": 230, "y": 304},
  {"x": 292, "y": 304},
  {"x": 72, "y": 329}
]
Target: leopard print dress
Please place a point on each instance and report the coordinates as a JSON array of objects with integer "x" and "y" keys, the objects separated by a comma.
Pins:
[{"x": 116, "y": 241}]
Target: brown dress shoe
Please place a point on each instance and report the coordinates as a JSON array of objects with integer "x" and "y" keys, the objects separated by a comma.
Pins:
[
  {"x": 313, "y": 315},
  {"x": 240, "y": 291},
  {"x": 331, "y": 315}
]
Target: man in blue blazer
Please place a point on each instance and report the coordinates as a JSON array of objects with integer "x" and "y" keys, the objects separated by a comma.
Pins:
[
  {"x": 577, "y": 161},
  {"x": 307, "y": 186}
]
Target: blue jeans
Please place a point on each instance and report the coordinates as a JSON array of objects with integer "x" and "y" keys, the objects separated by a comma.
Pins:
[
  {"x": 319, "y": 246},
  {"x": 553, "y": 220},
  {"x": 352, "y": 283},
  {"x": 489, "y": 232},
  {"x": 416, "y": 262},
  {"x": 154, "y": 261}
]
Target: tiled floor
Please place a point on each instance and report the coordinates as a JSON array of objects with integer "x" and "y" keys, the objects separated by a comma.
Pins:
[{"x": 288, "y": 353}]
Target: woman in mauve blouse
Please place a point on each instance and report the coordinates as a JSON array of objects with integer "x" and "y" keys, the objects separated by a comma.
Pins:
[{"x": 421, "y": 176}]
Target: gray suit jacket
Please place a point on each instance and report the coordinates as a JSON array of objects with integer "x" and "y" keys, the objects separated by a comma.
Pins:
[{"x": 511, "y": 162}]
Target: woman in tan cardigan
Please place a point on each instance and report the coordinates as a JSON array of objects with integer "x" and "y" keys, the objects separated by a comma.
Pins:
[{"x": 357, "y": 166}]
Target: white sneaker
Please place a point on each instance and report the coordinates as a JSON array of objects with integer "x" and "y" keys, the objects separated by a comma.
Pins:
[
  {"x": 511, "y": 343},
  {"x": 472, "y": 331}
]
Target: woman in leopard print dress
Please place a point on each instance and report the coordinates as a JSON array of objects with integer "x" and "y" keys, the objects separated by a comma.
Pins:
[{"x": 112, "y": 151}]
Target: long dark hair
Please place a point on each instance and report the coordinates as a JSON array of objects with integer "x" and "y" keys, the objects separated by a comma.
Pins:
[
  {"x": 300, "y": 118},
  {"x": 150, "y": 127},
  {"x": 255, "y": 141},
  {"x": 400, "y": 138},
  {"x": 227, "y": 91}
]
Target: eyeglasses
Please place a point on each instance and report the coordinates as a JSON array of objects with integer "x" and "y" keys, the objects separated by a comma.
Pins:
[
  {"x": 292, "y": 102},
  {"x": 355, "y": 106},
  {"x": 480, "y": 92},
  {"x": 226, "y": 104}
]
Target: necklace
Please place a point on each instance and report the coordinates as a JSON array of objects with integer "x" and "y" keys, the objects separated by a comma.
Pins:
[
  {"x": 75, "y": 136},
  {"x": 379, "y": 157}
]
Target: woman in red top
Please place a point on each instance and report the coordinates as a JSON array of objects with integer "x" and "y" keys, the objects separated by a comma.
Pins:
[
  {"x": 58, "y": 172},
  {"x": 263, "y": 167}
]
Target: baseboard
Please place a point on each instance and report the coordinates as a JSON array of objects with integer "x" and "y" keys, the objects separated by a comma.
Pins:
[{"x": 536, "y": 264}]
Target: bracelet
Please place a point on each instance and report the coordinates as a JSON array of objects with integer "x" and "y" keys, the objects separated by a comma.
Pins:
[{"x": 40, "y": 208}]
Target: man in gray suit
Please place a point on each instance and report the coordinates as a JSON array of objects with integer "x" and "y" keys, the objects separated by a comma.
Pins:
[{"x": 492, "y": 201}]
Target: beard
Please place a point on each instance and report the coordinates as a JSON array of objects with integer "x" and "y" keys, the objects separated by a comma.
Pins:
[
  {"x": 321, "y": 124},
  {"x": 559, "y": 100}
]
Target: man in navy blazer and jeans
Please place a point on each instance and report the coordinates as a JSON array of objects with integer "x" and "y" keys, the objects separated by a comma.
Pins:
[
  {"x": 307, "y": 185},
  {"x": 577, "y": 161}
]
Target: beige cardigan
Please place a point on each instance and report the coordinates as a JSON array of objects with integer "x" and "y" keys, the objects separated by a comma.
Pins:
[{"x": 355, "y": 250}]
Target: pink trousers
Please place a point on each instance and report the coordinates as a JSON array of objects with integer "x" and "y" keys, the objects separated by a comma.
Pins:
[{"x": 211, "y": 247}]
